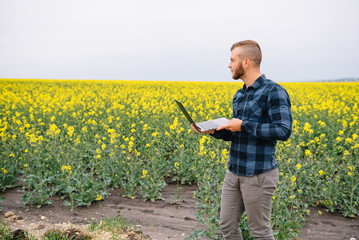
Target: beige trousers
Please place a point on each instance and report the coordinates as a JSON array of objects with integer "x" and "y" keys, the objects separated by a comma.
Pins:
[{"x": 251, "y": 194}]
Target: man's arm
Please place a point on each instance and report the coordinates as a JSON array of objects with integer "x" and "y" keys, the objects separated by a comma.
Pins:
[
  {"x": 197, "y": 131},
  {"x": 224, "y": 134},
  {"x": 279, "y": 112}
]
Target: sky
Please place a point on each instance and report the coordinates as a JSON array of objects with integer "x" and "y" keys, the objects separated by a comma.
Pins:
[{"x": 187, "y": 40}]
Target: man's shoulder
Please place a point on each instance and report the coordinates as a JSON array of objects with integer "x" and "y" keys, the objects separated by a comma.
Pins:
[
  {"x": 272, "y": 83},
  {"x": 271, "y": 86},
  {"x": 274, "y": 90}
]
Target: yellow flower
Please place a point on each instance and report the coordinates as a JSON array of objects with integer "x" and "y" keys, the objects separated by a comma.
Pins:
[
  {"x": 322, "y": 124},
  {"x": 144, "y": 173},
  {"x": 4, "y": 170},
  {"x": 307, "y": 128},
  {"x": 66, "y": 168},
  {"x": 299, "y": 166},
  {"x": 321, "y": 172},
  {"x": 145, "y": 127},
  {"x": 293, "y": 179},
  {"x": 99, "y": 197},
  {"x": 70, "y": 131},
  {"x": 53, "y": 130},
  {"x": 177, "y": 165},
  {"x": 308, "y": 153}
]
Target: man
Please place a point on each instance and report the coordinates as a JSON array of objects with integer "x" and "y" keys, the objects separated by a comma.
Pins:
[{"x": 261, "y": 116}]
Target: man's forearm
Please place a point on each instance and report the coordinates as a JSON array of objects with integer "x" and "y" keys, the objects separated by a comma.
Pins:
[{"x": 273, "y": 131}]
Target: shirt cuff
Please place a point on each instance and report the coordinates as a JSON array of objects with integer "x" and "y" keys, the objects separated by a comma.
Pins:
[{"x": 243, "y": 126}]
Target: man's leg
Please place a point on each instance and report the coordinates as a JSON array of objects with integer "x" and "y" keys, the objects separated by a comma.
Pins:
[
  {"x": 257, "y": 196},
  {"x": 232, "y": 207}
]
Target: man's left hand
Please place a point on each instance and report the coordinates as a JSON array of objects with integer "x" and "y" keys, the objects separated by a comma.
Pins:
[{"x": 234, "y": 125}]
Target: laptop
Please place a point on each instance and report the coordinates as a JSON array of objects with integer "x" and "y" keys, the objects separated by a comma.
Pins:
[{"x": 206, "y": 125}]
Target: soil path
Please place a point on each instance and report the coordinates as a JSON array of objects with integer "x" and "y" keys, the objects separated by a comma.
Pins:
[
  {"x": 330, "y": 226},
  {"x": 159, "y": 220}
]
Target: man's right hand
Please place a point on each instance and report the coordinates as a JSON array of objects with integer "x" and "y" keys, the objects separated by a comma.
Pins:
[{"x": 197, "y": 131}]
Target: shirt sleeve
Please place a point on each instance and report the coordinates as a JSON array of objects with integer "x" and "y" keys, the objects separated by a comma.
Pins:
[
  {"x": 223, "y": 134},
  {"x": 279, "y": 112}
]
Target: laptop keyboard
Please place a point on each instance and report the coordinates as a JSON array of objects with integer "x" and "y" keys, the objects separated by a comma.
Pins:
[{"x": 205, "y": 126}]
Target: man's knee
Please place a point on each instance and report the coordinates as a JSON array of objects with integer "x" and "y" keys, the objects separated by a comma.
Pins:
[
  {"x": 230, "y": 228},
  {"x": 263, "y": 232}
]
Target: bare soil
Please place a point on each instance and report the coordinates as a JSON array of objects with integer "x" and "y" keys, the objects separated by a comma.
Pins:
[
  {"x": 330, "y": 226},
  {"x": 158, "y": 220}
]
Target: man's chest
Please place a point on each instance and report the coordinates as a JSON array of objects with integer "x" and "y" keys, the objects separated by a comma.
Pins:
[{"x": 250, "y": 105}]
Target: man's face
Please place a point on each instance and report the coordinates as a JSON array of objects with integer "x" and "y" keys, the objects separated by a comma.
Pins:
[{"x": 236, "y": 64}]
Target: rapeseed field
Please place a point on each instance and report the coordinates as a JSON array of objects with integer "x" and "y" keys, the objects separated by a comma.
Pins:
[{"x": 76, "y": 139}]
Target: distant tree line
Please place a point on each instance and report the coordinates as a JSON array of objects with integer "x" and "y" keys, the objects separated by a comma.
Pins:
[{"x": 341, "y": 80}]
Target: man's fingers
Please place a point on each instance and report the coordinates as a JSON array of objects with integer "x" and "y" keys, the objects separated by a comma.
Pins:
[
  {"x": 223, "y": 127},
  {"x": 195, "y": 129}
]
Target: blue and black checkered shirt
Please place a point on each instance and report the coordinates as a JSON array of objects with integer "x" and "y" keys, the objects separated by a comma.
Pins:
[{"x": 265, "y": 110}]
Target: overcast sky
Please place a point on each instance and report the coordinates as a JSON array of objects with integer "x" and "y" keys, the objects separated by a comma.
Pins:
[{"x": 190, "y": 40}]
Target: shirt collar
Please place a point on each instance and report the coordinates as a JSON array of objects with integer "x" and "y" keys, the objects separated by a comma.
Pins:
[{"x": 257, "y": 83}]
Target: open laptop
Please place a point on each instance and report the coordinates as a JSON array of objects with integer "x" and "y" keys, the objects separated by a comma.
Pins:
[{"x": 203, "y": 126}]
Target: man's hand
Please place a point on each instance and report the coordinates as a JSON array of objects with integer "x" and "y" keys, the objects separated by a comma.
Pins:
[
  {"x": 196, "y": 130},
  {"x": 234, "y": 125}
]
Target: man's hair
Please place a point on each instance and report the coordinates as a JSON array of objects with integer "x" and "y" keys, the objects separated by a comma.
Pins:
[{"x": 252, "y": 50}]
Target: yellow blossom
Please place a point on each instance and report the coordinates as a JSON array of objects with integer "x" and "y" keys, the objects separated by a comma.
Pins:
[
  {"x": 308, "y": 153},
  {"x": 177, "y": 165},
  {"x": 144, "y": 173},
  {"x": 299, "y": 166}
]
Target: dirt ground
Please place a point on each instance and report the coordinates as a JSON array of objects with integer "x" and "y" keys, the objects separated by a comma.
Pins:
[{"x": 159, "y": 220}]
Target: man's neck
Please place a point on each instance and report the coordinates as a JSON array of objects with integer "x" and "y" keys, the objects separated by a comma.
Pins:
[{"x": 249, "y": 79}]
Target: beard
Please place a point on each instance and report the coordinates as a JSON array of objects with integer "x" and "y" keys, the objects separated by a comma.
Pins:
[{"x": 238, "y": 72}]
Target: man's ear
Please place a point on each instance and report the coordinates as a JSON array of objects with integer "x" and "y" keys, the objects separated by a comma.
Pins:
[{"x": 247, "y": 63}]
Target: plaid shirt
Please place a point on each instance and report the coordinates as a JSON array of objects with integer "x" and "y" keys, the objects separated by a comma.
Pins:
[{"x": 265, "y": 110}]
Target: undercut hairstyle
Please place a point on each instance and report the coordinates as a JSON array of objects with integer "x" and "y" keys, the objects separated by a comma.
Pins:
[{"x": 251, "y": 50}]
